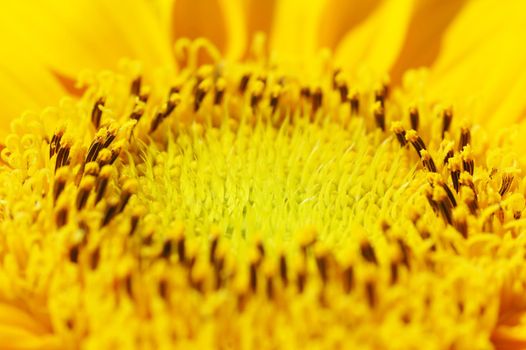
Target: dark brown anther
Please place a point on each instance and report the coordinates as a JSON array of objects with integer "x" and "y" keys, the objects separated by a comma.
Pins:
[
  {"x": 379, "y": 96},
  {"x": 95, "y": 258},
  {"x": 134, "y": 222},
  {"x": 305, "y": 92},
  {"x": 243, "y": 84},
  {"x": 62, "y": 157},
  {"x": 255, "y": 99},
  {"x": 414, "y": 118},
  {"x": 200, "y": 95},
  {"x": 96, "y": 112},
  {"x": 404, "y": 250},
  {"x": 109, "y": 139},
  {"x": 170, "y": 106},
  {"x": 60, "y": 184},
  {"x": 54, "y": 145},
  {"x": 348, "y": 279},
  {"x": 317, "y": 100},
  {"x": 344, "y": 92},
  {"x": 455, "y": 176},
  {"x": 128, "y": 285},
  {"x": 74, "y": 253},
  {"x": 128, "y": 189},
  {"x": 447, "y": 116},
  {"x": 445, "y": 210},
  {"x": 253, "y": 276},
  {"x": 301, "y": 281},
  {"x": 270, "y": 288},
  {"x": 135, "y": 88},
  {"x": 274, "y": 99},
  {"x": 367, "y": 251},
  {"x": 465, "y": 138},
  {"x": 394, "y": 272},
  {"x": 218, "y": 96},
  {"x": 321, "y": 263},
  {"x": 163, "y": 289},
  {"x": 93, "y": 151},
  {"x": 448, "y": 156},
  {"x": 213, "y": 249},
  {"x": 335, "y": 80},
  {"x": 111, "y": 211},
  {"x": 462, "y": 226},
  {"x": 354, "y": 102},
  {"x": 468, "y": 165},
  {"x": 507, "y": 180},
  {"x": 166, "y": 252},
  {"x": 379, "y": 117},
  {"x": 283, "y": 269},
  {"x": 432, "y": 203},
  {"x": 102, "y": 183},
  {"x": 181, "y": 249},
  {"x": 137, "y": 114},
  {"x": 156, "y": 121},
  {"x": 174, "y": 90},
  {"x": 450, "y": 195},
  {"x": 370, "y": 292},
  {"x": 260, "y": 248},
  {"x": 61, "y": 218},
  {"x": 428, "y": 161},
  {"x": 86, "y": 185},
  {"x": 416, "y": 141},
  {"x": 400, "y": 133}
]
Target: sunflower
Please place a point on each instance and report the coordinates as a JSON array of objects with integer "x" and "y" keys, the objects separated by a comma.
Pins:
[{"x": 261, "y": 174}]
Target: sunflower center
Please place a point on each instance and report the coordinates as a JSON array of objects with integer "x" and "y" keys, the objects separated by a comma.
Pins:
[{"x": 275, "y": 181}]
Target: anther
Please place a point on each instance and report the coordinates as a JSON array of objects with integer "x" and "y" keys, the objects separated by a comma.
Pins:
[
  {"x": 54, "y": 145},
  {"x": 467, "y": 160},
  {"x": 74, "y": 253},
  {"x": 96, "y": 113},
  {"x": 348, "y": 279},
  {"x": 354, "y": 101},
  {"x": 257, "y": 94},
  {"x": 370, "y": 292},
  {"x": 394, "y": 272},
  {"x": 283, "y": 269},
  {"x": 465, "y": 138},
  {"x": 138, "y": 212},
  {"x": 274, "y": 98},
  {"x": 167, "y": 249},
  {"x": 367, "y": 251},
  {"x": 400, "y": 133},
  {"x": 86, "y": 185},
  {"x": 414, "y": 118},
  {"x": 317, "y": 99},
  {"x": 404, "y": 251},
  {"x": 322, "y": 262},
  {"x": 416, "y": 141},
  {"x": 60, "y": 183},
  {"x": 380, "y": 95},
  {"x": 95, "y": 258},
  {"x": 200, "y": 93},
  {"x": 128, "y": 189},
  {"x": 163, "y": 289},
  {"x": 253, "y": 276},
  {"x": 379, "y": 116},
  {"x": 61, "y": 217},
  {"x": 243, "y": 84},
  {"x": 94, "y": 148},
  {"x": 460, "y": 215},
  {"x": 102, "y": 181},
  {"x": 220, "y": 87},
  {"x": 454, "y": 164},
  {"x": 111, "y": 210},
  {"x": 427, "y": 160},
  {"x": 62, "y": 157},
  {"x": 447, "y": 116},
  {"x": 135, "y": 88},
  {"x": 448, "y": 156},
  {"x": 507, "y": 180}
]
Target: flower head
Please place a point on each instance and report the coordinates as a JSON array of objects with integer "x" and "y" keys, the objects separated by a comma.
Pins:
[{"x": 277, "y": 197}]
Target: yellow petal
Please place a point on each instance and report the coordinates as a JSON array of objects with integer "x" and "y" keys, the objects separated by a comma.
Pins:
[
  {"x": 340, "y": 17},
  {"x": 71, "y": 36},
  {"x": 25, "y": 84},
  {"x": 422, "y": 43},
  {"x": 376, "y": 42},
  {"x": 295, "y": 28},
  {"x": 481, "y": 66},
  {"x": 220, "y": 21}
]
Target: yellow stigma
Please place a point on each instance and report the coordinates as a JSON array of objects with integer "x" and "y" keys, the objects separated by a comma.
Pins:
[{"x": 238, "y": 206}]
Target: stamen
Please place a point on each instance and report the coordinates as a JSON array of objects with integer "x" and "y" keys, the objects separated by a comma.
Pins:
[
  {"x": 96, "y": 113},
  {"x": 447, "y": 116},
  {"x": 414, "y": 118}
]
